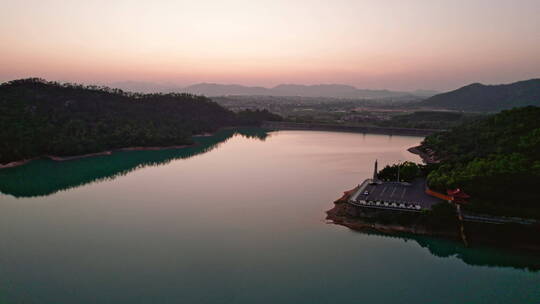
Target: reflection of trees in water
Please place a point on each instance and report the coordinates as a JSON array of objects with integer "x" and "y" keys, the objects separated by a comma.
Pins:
[
  {"x": 45, "y": 177},
  {"x": 253, "y": 133},
  {"x": 476, "y": 256}
]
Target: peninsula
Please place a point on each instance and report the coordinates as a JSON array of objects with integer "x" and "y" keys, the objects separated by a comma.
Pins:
[{"x": 478, "y": 193}]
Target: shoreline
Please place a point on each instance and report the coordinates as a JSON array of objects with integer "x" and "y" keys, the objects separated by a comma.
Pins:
[
  {"x": 17, "y": 163},
  {"x": 270, "y": 125},
  {"x": 426, "y": 158},
  {"x": 109, "y": 152},
  {"x": 103, "y": 153},
  {"x": 340, "y": 215},
  {"x": 348, "y": 128},
  {"x": 512, "y": 237}
]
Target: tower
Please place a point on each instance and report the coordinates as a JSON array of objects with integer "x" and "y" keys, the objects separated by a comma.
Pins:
[{"x": 375, "y": 172}]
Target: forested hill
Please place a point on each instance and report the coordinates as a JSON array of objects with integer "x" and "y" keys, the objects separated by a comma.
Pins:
[
  {"x": 496, "y": 160},
  {"x": 492, "y": 98},
  {"x": 39, "y": 118}
]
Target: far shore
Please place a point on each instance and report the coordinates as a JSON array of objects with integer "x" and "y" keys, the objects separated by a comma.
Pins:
[
  {"x": 270, "y": 125},
  {"x": 109, "y": 152},
  {"x": 285, "y": 125}
]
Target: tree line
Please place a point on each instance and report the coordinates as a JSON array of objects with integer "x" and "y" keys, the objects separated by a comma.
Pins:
[
  {"x": 496, "y": 160},
  {"x": 38, "y": 117}
]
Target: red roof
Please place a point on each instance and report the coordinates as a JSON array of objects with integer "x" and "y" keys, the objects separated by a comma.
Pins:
[
  {"x": 458, "y": 196},
  {"x": 458, "y": 193}
]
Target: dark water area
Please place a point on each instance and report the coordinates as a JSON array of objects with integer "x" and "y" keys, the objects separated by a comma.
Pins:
[{"x": 238, "y": 218}]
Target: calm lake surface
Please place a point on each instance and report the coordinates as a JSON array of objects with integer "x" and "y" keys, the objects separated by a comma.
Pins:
[{"x": 239, "y": 218}]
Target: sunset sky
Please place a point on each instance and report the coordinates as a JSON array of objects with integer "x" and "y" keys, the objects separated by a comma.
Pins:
[{"x": 400, "y": 45}]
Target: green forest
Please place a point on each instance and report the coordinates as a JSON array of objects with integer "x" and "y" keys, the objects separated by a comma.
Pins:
[
  {"x": 496, "y": 160},
  {"x": 407, "y": 172},
  {"x": 38, "y": 117}
]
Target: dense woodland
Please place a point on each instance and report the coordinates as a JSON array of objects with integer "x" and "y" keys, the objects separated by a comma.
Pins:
[
  {"x": 407, "y": 171},
  {"x": 39, "y": 118},
  {"x": 496, "y": 160}
]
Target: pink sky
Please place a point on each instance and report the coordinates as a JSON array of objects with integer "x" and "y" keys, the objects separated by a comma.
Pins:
[{"x": 401, "y": 45}]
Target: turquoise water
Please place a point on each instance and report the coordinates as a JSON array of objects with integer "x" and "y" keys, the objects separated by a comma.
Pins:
[{"x": 239, "y": 218}]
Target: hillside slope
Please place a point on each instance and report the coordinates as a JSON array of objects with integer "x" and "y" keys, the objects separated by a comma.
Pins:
[
  {"x": 39, "y": 117},
  {"x": 496, "y": 160},
  {"x": 493, "y": 98}
]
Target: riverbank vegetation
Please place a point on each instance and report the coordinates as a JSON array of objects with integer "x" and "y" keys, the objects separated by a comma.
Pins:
[
  {"x": 496, "y": 160},
  {"x": 40, "y": 118}
]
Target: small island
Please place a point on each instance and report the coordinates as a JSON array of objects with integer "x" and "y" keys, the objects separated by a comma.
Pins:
[{"x": 479, "y": 185}]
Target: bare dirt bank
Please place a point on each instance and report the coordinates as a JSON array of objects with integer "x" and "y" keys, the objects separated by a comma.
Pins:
[{"x": 17, "y": 163}]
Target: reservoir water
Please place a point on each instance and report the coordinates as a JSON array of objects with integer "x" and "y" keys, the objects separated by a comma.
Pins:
[{"x": 238, "y": 218}]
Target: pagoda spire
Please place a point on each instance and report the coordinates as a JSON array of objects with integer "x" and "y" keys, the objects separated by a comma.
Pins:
[{"x": 375, "y": 172}]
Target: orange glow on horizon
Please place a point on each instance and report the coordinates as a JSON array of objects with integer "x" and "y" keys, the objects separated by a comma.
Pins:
[{"x": 369, "y": 44}]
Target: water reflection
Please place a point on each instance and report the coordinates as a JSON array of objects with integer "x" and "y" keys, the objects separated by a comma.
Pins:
[
  {"x": 476, "y": 255},
  {"x": 255, "y": 236},
  {"x": 45, "y": 177}
]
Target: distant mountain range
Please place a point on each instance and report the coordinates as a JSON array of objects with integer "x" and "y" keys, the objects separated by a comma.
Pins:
[
  {"x": 321, "y": 90},
  {"x": 144, "y": 87},
  {"x": 492, "y": 98}
]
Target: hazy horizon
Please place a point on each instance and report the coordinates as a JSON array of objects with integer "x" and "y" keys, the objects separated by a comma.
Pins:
[{"x": 395, "y": 45}]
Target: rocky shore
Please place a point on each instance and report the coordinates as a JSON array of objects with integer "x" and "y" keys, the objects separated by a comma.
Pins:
[{"x": 428, "y": 157}]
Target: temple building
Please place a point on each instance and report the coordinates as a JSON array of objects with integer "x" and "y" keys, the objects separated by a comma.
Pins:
[{"x": 402, "y": 196}]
